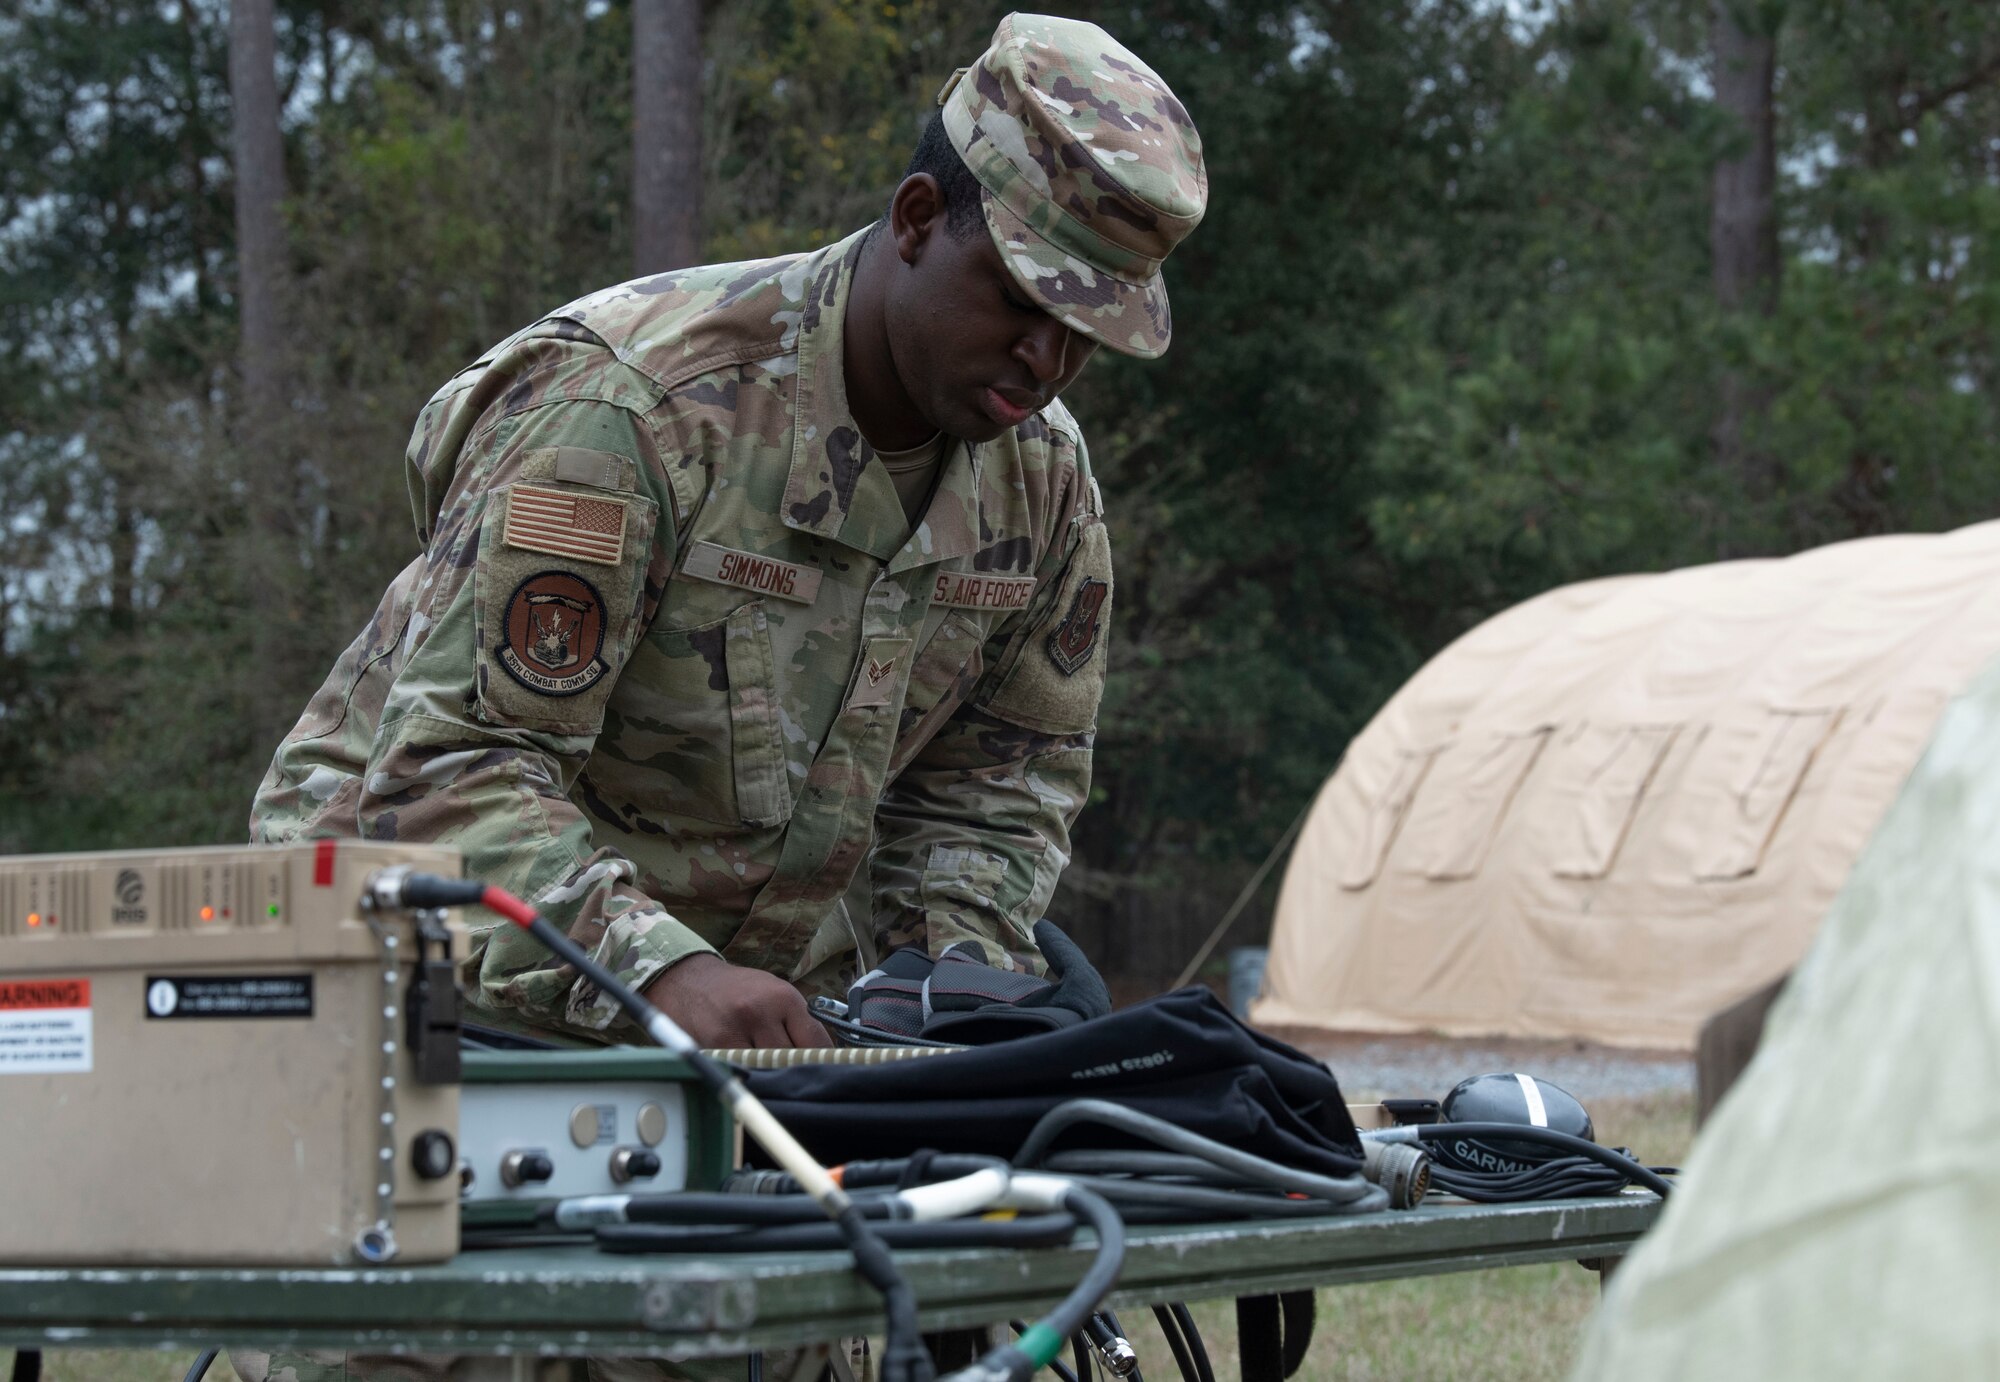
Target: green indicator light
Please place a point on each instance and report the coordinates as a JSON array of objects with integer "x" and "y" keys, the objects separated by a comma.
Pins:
[{"x": 271, "y": 910}]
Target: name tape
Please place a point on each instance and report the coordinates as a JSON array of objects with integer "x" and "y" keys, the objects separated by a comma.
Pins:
[{"x": 786, "y": 580}]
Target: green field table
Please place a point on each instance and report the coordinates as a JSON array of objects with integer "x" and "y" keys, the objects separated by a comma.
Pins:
[{"x": 574, "y": 1300}]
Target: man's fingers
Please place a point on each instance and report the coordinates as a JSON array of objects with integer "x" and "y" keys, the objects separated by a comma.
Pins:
[
  {"x": 724, "y": 1007},
  {"x": 803, "y": 1029}
]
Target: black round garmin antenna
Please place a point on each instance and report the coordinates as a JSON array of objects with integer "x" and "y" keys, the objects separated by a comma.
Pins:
[{"x": 1508, "y": 1098}]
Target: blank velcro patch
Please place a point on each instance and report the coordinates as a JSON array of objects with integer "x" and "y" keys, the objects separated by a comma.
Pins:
[{"x": 581, "y": 526}]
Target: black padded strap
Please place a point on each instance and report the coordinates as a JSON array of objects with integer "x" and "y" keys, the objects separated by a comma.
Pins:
[
  {"x": 1258, "y": 1340},
  {"x": 1299, "y": 1309},
  {"x": 1273, "y": 1334}
]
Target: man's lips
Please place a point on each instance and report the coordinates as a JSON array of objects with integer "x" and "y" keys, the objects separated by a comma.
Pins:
[{"x": 1001, "y": 407}]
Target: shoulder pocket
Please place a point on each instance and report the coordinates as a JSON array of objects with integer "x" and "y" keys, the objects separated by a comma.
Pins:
[
  {"x": 1052, "y": 678},
  {"x": 557, "y": 593}
]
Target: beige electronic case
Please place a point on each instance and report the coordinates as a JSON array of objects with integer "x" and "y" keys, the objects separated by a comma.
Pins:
[{"x": 210, "y": 1057}]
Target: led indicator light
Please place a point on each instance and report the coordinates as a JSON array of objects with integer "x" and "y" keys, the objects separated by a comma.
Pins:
[
  {"x": 208, "y": 914},
  {"x": 271, "y": 910},
  {"x": 34, "y": 918}
]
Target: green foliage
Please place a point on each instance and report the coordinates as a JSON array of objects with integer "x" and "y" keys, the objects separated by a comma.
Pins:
[{"x": 1446, "y": 339}]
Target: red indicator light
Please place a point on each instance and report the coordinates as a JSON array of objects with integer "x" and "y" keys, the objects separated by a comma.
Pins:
[
  {"x": 208, "y": 914},
  {"x": 34, "y": 918}
]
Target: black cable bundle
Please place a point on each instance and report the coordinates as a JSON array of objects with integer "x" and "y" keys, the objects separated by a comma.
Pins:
[
  {"x": 1565, "y": 1178},
  {"x": 1188, "y": 1177},
  {"x": 1587, "y": 1170}
]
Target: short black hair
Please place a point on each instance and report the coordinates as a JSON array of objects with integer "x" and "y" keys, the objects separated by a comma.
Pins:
[{"x": 936, "y": 156}]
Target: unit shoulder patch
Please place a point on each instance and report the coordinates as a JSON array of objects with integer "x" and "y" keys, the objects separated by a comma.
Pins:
[
  {"x": 1075, "y": 638},
  {"x": 555, "y": 634}
]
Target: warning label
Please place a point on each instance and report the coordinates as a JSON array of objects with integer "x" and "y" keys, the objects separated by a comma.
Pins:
[
  {"x": 247, "y": 995},
  {"x": 44, "y": 1026}
]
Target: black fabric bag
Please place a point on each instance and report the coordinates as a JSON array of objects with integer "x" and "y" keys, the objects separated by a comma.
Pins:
[{"x": 1181, "y": 1057}]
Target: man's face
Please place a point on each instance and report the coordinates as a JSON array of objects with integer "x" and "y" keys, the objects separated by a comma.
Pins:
[{"x": 973, "y": 352}]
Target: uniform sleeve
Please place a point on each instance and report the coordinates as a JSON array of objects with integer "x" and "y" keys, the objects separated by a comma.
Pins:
[
  {"x": 534, "y": 591},
  {"x": 974, "y": 833}
]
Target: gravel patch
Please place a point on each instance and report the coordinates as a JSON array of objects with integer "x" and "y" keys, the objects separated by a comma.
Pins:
[{"x": 1369, "y": 1065}]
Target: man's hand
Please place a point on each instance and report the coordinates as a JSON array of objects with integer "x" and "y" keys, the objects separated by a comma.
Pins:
[{"x": 725, "y": 1006}]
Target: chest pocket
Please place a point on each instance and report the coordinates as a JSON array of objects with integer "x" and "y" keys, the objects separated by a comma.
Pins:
[
  {"x": 693, "y": 731},
  {"x": 940, "y": 680}
]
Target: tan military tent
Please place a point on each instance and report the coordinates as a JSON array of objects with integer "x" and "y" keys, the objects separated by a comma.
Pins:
[{"x": 1612, "y": 810}]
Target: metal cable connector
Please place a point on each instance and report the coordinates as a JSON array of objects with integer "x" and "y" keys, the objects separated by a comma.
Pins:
[
  {"x": 1119, "y": 1357},
  {"x": 401, "y": 888},
  {"x": 382, "y": 890},
  {"x": 1400, "y": 1168}
]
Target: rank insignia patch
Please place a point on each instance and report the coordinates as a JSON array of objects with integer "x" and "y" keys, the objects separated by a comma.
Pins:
[
  {"x": 877, "y": 680},
  {"x": 555, "y": 633},
  {"x": 565, "y": 525},
  {"x": 1075, "y": 638}
]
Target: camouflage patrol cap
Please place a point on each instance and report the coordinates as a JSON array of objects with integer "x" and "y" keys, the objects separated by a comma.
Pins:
[{"x": 1090, "y": 173}]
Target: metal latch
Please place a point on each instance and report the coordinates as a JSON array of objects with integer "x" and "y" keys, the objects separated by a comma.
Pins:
[{"x": 432, "y": 1003}]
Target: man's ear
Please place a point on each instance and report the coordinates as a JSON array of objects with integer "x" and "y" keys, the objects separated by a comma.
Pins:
[{"x": 915, "y": 212}]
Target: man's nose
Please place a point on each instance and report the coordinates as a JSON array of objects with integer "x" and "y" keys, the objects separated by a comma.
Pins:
[{"x": 1045, "y": 350}]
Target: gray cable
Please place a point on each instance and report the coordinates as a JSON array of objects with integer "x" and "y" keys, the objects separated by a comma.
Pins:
[
  {"x": 1093, "y": 1162},
  {"x": 1235, "y": 1204},
  {"x": 1254, "y": 1169}
]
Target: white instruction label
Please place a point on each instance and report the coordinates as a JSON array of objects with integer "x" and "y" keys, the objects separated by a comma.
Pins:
[{"x": 44, "y": 1026}]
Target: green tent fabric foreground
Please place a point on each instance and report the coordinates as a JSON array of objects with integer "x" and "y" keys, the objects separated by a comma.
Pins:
[{"x": 1838, "y": 1216}]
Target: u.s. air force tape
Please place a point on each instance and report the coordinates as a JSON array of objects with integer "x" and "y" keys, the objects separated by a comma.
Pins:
[
  {"x": 787, "y": 580},
  {"x": 971, "y": 590}
]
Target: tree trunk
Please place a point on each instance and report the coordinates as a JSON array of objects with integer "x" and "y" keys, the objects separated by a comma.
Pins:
[
  {"x": 260, "y": 258},
  {"x": 260, "y": 191},
  {"x": 666, "y": 134},
  {"x": 1743, "y": 227}
]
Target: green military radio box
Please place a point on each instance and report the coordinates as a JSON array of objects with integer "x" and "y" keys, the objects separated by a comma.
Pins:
[{"x": 541, "y": 1126}]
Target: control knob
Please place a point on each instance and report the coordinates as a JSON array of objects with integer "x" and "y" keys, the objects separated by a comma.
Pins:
[
  {"x": 526, "y": 1168},
  {"x": 634, "y": 1163}
]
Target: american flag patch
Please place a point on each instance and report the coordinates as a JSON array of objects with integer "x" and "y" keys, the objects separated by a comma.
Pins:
[{"x": 565, "y": 525}]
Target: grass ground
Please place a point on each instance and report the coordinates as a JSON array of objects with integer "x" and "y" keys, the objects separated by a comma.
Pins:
[{"x": 1518, "y": 1322}]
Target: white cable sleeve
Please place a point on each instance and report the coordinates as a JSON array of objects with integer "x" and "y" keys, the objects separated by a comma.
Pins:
[
  {"x": 953, "y": 1198},
  {"x": 1033, "y": 1190}
]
